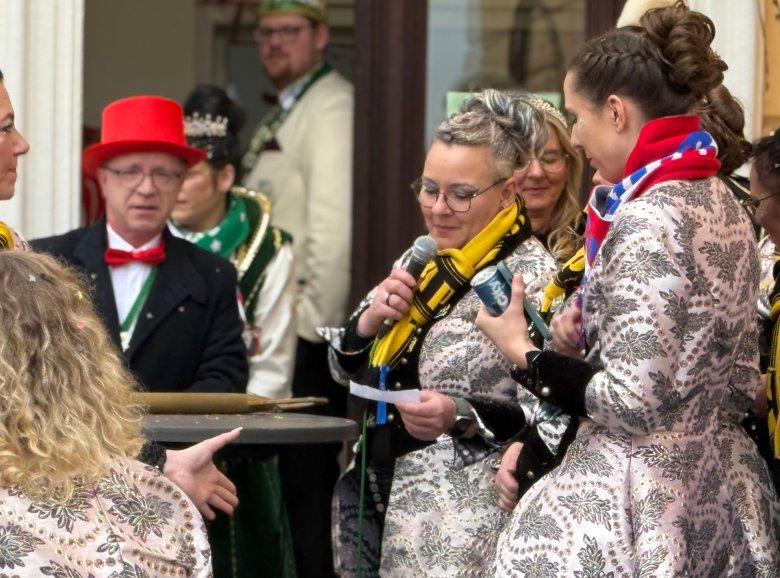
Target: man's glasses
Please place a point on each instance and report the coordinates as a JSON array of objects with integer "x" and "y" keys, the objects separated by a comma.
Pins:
[
  {"x": 263, "y": 34},
  {"x": 164, "y": 181},
  {"x": 551, "y": 162},
  {"x": 457, "y": 198},
  {"x": 751, "y": 203}
]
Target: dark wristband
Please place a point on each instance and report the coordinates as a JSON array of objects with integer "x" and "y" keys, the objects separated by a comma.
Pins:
[{"x": 153, "y": 454}]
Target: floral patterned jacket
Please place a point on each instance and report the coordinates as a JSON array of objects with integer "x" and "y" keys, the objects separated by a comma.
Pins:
[
  {"x": 661, "y": 480},
  {"x": 133, "y": 523}
]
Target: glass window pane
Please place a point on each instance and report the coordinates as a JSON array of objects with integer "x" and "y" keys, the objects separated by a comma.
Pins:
[{"x": 474, "y": 44}]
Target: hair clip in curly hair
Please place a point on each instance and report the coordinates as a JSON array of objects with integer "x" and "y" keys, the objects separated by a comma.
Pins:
[{"x": 32, "y": 278}]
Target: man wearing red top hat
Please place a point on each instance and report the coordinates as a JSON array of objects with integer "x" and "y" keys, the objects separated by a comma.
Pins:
[{"x": 170, "y": 306}]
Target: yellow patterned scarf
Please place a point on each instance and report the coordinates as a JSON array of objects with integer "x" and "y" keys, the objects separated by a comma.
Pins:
[
  {"x": 772, "y": 375},
  {"x": 6, "y": 237},
  {"x": 445, "y": 275},
  {"x": 564, "y": 282}
]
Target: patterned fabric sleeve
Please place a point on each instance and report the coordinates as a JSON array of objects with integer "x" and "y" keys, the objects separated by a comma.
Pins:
[
  {"x": 132, "y": 522},
  {"x": 348, "y": 350},
  {"x": 651, "y": 322}
]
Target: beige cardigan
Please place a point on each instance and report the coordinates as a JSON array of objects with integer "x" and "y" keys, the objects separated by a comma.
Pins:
[{"x": 309, "y": 183}]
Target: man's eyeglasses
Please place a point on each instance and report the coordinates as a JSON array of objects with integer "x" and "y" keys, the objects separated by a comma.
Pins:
[
  {"x": 551, "y": 162},
  {"x": 164, "y": 181},
  {"x": 751, "y": 203},
  {"x": 457, "y": 198},
  {"x": 263, "y": 34}
]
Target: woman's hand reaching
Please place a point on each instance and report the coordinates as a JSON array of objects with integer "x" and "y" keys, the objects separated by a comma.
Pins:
[
  {"x": 506, "y": 483},
  {"x": 566, "y": 328},
  {"x": 509, "y": 331}
]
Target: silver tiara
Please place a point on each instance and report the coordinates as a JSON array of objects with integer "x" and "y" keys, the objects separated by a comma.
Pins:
[
  {"x": 548, "y": 109},
  {"x": 197, "y": 126}
]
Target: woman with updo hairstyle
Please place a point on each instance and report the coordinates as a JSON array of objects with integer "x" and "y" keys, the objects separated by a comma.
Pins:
[
  {"x": 234, "y": 222},
  {"x": 661, "y": 479},
  {"x": 74, "y": 501}
]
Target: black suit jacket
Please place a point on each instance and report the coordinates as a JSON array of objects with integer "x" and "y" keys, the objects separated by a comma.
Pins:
[{"x": 188, "y": 334}]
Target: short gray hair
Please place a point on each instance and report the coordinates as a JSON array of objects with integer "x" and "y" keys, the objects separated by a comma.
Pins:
[{"x": 507, "y": 122}]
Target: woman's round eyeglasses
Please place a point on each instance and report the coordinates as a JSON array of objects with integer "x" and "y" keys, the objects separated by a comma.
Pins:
[
  {"x": 751, "y": 203},
  {"x": 457, "y": 198},
  {"x": 551, "y": 162}
]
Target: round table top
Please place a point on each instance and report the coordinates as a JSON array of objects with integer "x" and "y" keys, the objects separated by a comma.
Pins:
[{"x": 258, "y": 428}]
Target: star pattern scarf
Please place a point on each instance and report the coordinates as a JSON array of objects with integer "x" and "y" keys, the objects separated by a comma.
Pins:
[
  {"x": 694, "y": 157},
  {"x": 226, "y": 237}
]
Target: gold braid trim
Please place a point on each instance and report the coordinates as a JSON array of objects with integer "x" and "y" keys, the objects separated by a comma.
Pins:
[
  {"x": 261, "y": 278},
  {"x": 244, "y": 258}
]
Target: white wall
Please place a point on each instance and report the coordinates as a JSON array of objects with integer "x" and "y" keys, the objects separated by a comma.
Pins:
[{"x": 40, "y": 56}]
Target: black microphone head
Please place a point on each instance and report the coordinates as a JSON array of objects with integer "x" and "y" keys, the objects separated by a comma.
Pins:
[{"x": 425, "y": 248}]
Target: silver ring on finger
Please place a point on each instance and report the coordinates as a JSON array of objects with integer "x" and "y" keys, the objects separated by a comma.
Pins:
[{"x": 387, "y": 298}]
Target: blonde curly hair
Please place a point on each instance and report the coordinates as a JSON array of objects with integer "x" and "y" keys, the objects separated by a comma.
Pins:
[
  {"x": 67, "y": 408},
  {"x": 564, "y": 236}
]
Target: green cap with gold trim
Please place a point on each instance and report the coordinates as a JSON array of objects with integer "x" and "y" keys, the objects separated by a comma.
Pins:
[{"x": 314, "y": 9}]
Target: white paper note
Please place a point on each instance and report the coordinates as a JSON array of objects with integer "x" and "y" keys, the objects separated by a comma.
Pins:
[{"x": 368, "y": 392}]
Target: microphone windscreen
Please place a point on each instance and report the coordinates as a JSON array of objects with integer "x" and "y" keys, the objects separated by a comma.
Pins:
[{"x": 424, "y": 248}]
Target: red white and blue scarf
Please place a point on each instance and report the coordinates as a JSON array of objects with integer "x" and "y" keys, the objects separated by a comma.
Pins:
[{"x": 693, "y": 155}]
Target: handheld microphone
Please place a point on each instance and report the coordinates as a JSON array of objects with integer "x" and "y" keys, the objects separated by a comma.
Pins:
[{"x": 423, "y": 250}]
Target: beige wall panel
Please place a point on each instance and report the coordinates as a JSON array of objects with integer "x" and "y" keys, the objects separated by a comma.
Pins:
[{"x": 137, "y": 47}]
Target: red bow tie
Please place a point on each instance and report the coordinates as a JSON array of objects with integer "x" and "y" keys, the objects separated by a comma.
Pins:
[{"x": 117, "y": 257}]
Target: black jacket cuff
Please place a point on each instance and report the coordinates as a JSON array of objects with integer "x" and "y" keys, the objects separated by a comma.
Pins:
[
  {"x": 558, "y": 379},
  {"x": 536, "y": 459}
]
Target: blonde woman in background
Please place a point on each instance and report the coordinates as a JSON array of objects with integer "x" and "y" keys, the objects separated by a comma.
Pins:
[{"x": 550, "y": 187}]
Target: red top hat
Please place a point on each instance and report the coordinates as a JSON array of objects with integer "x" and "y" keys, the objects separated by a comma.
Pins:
[{"x": 145, "y": 124}]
